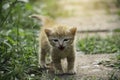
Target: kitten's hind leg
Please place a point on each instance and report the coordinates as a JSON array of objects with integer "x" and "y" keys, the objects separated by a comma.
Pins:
[{"x": 42, "y": 59}]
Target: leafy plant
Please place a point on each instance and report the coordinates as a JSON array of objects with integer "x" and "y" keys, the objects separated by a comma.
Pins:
[{"x": 18, "y": 48}]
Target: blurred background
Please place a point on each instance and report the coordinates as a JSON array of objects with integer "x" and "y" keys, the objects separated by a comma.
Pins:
[{"x": 98, "y": 23}]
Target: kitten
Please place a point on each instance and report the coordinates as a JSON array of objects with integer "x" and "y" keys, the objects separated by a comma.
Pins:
[{"x": 57, "y": 40}]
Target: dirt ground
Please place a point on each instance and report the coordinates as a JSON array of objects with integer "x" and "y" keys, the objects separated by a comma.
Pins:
[{"x": 88, "y": 67}]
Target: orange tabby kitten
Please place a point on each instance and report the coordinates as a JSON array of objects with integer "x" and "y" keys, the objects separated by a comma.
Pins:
[{"x": 57, "y": 40}]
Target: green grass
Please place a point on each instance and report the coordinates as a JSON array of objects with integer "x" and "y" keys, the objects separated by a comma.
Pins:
[
  {"x": 96, "y": 45},
  {"x": 118, "y": 12},
  {"x": 117, "y": 62}
]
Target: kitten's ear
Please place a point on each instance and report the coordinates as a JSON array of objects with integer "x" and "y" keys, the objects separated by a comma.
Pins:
[
  {"x": 48, "y": 32},
  {"x": 73, "y": 30}
]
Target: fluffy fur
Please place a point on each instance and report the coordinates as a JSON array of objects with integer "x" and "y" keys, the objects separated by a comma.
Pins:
[{"x": 58, "y": 41}]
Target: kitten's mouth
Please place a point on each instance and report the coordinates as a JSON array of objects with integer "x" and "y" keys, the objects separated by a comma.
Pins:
[{"x": 61, "y": 47}]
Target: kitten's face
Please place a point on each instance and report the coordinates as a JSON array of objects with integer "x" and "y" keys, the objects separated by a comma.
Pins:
[{"x": 61, "y": 38}]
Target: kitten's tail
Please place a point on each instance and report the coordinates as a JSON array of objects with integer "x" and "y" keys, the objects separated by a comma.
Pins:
[{"x": 45, "y": 20}]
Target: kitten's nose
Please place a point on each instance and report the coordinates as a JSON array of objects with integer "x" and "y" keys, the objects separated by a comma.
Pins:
[{"x": 61, "y": 47}]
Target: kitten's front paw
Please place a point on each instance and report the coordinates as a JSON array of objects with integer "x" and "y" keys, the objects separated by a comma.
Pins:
[{"x": 71, "y": 72}]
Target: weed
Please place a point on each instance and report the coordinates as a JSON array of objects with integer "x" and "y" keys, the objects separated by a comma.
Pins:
[{"x": 95, "y": 45}]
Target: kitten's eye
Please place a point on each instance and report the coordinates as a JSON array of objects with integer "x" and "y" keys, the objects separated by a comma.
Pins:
[
  {"x": 55, "y": 40},
  {"x": 66, "y": 39}
]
